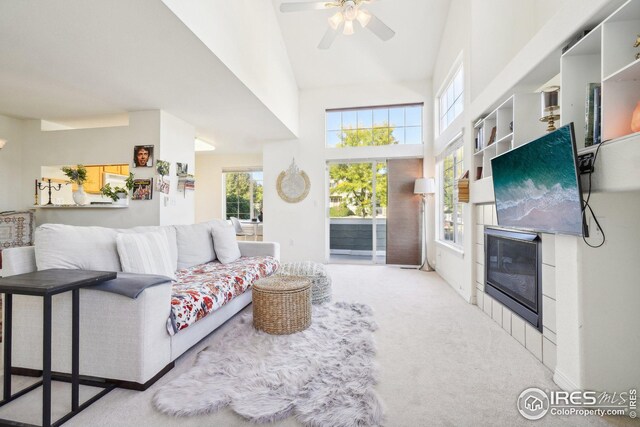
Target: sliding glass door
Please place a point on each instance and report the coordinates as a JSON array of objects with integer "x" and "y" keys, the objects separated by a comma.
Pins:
[{"x": 357, "y": 211}]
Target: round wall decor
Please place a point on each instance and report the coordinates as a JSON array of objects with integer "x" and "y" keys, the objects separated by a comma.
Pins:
[{"x": 293, "y": 184}]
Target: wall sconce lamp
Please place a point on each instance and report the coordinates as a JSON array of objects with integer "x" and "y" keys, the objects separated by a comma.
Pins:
[
  {"x": 424, "y": 187},
  {"x": 549, "y": 105},
  {"x": 3, "y": 142}
]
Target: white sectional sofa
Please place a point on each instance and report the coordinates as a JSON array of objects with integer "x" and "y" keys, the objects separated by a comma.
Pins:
[{"x": 121, "y": 338}]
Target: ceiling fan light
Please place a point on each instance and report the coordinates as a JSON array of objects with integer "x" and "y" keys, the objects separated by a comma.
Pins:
[
  {"x": 336, "y": 20},
  {"x": 363, "y": 17},
  {"x": 348, "y": 28},
  {"x": 350, "y": 11}
]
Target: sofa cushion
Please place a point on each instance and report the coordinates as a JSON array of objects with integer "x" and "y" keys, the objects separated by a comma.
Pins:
[
  {"x": 70, "y": 246},
  {"x": 168, "y": 230},
  {"x": 145, "y": 253},
  {"x": 203, "y": 289},
  {"x": 225, "y": 243},
  {"x": 194, "y": 244}
]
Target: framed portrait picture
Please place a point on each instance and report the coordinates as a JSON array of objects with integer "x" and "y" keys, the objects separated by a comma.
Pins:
[{"x": 143, "y": 156}]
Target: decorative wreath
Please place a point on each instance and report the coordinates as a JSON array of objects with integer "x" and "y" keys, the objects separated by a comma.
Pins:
[{"x": 293, "y": 184}]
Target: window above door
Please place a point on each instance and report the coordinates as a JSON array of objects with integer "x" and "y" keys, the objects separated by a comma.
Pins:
[{"x": 374, "y": 126}]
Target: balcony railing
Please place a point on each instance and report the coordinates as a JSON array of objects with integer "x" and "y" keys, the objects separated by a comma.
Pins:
[{"x": 355, "y": 235}]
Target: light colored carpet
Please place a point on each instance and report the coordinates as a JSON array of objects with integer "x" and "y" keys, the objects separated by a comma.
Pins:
[
  {"x": 324, "y": 375},
  {"x": 442, "y": 362}
]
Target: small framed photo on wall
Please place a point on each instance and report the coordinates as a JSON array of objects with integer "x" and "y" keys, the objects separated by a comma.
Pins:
[
  {"x": 182, "y": 169},
  {"x": 142, "y": 189},
  {"x": 143, "y": 156}
]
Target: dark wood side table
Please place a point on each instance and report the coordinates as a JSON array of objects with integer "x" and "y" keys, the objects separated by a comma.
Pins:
[{"x": 46, "y": 283}]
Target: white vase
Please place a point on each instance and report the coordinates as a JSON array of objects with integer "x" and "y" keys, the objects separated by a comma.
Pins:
[
  {"x": 80, "y": 197},
  {"x": 123, "y": 200}
]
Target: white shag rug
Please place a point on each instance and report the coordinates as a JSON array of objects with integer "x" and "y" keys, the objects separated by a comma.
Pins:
[{"x": 324, "y": 376}]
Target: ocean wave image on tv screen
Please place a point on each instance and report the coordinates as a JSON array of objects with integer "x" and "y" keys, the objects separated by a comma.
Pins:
[{"x": 536, "y": 185}]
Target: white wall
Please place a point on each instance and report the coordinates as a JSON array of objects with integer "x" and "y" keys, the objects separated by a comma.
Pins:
[
  {"x": 499, "y": 29},
  {"x": 557, "y": 25},
  {"x": 10, "y": 159},
  {"x": 601, "y": 310},
  {"x": 500, "y": 42},
  {"x": 176, "y": 145},
  {"x": 454, "y": 264},
  {"x": 92, "y": 146},
  {"x": 596, "y": 288},
  {"x": 301, "y": 228},
  {"x": 209, "y": 194},
  {"x": 257, "y": 57}
]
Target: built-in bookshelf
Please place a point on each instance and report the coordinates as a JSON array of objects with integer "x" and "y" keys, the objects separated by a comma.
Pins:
[
  {"x": 513, "y": 123},
  {"x": 605, "y": 56}
]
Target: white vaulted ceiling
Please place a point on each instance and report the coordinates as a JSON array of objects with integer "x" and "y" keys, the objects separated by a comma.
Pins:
[
  {"x": 63, "y": 59},
  {"x": 363, "y": 58},
  {"x": 71, "y": 59}
]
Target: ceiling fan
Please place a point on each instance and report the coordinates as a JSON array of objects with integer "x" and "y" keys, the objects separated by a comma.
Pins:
[{"x": 349, "y": 11}]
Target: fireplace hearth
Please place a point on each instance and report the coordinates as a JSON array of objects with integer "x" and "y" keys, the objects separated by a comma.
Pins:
[{"x": 513, "y": 272}]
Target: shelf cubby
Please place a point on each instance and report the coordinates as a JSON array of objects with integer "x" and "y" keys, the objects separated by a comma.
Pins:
[
  {"x": 526, "y": 118},
  {"x": 580, "y": 66},
  {"x": 619, "y": 33},
  {"x": 606, "y": 55},
  {"x": 516, "y": 121}
]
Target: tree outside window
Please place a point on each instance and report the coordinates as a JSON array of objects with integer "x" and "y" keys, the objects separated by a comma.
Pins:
[
  {"x": 352, "y": 183},
  {"x": 452, "y": 224},
  {"x": 244, "y": 191}
]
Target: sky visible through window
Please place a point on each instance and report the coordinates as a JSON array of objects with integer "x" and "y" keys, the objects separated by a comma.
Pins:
[
  {"x": 452, "y": 100},
  {"x": 374, "y": 126}
]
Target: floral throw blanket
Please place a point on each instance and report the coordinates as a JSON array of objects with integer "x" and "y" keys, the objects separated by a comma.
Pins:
[{"x": 204, "y": 288}]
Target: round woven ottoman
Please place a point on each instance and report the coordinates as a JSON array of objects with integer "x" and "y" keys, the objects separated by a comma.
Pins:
[
  {"x": 282, "y": 304},
  {"x": 320, "y": 280}
]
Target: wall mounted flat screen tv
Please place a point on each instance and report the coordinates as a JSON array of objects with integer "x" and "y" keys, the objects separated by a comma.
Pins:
[{"x": 537, "y": 186}]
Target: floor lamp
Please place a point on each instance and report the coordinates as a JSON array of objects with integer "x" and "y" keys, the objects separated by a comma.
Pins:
[{"x": 424, "y": 187}]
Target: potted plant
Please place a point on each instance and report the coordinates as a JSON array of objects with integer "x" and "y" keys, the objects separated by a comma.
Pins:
[
  {"x": 120, "y": 195},
  {"x": 77, "y": 175}
]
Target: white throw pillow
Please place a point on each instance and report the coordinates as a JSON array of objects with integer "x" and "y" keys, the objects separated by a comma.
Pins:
[
  {"x": 225, "y": 243},
  {"x": 194, "y": 244},
  {"x": 168, "y": 230},
  {"x": 71, "y": 246},
  {"x": 145, "y": 253}
]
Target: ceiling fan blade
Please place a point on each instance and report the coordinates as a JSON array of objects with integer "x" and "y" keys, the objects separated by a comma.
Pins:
[
  {"x": 380, "y": 29},
  {"x": 302, "y": 6},
  {"x": 328, "y": 38}
]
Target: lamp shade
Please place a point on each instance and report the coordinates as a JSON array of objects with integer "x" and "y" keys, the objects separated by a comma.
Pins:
[
  {"x": 424, "y": 186},
  {"x": 2, "y": 143}
]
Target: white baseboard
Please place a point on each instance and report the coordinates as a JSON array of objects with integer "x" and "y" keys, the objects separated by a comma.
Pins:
[{"x": 564, "y": 382}]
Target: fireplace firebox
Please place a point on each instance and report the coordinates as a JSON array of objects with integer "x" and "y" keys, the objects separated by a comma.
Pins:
[{"x": 513, "y": 272}]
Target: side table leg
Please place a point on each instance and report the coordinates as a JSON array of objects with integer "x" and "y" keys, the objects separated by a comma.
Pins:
[
  {"x": 75, "y": 350},
  {"x": 8, "y": 301},
  {"x": 46, "y": 362}
]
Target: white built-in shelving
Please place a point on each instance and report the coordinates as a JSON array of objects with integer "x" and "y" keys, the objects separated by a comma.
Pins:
[
  {"x": 606, "y": 55},
  {"x": 515, "y": 122}
]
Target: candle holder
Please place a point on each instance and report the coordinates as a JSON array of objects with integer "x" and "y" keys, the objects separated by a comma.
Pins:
[
  {"x": 550, "y": 105},
  {"x": 49, "y": 187}
]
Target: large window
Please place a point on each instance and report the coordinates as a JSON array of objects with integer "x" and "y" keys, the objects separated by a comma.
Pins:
[
  {"x": 357, "y": 127},
  {"x": 451, "y": 222},
  {"x": 451, "y": 100},
  {"x": 243, "y": 194}
]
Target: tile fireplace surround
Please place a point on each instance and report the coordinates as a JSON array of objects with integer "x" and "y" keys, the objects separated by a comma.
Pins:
[{"x": 541, "y": 345}]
